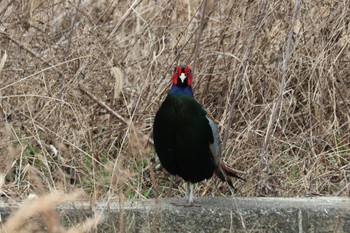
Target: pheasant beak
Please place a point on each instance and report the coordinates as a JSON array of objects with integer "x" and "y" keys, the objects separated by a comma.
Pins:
[{"x": 182, "y": 77}]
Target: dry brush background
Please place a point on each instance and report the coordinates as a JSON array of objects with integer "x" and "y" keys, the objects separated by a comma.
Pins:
[{"x": 86, "y": 77}]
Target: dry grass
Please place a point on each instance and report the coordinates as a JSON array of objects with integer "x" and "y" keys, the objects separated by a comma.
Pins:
[
  {"x": 51, "y": 51},
  {"x": 44, "y": 206}
]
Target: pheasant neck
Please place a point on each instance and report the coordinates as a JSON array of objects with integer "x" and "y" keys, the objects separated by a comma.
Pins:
[{"x": 181, "y": 90}]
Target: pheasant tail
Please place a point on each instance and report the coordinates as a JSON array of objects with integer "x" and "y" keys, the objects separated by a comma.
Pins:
[{"x": 224, "y": 173}]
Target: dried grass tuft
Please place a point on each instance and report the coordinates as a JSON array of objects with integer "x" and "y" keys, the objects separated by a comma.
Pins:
[
  {"x": 118, "y": 83},
  {"x": 2, "y": 62},
  {"x": 44, "y": 205}
]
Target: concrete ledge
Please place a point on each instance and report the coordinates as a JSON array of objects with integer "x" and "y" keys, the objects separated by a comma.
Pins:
[{"x": 214, "y": 214}]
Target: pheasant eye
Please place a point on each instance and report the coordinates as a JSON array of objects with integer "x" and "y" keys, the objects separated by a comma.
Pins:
[{"x": 187, "y": 70}]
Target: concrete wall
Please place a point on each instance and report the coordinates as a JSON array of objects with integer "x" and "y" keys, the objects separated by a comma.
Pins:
[{"x": 214, "y": 214}]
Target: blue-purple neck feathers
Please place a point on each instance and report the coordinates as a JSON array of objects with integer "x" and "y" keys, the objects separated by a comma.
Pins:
[{"x": 181, "y": 90}]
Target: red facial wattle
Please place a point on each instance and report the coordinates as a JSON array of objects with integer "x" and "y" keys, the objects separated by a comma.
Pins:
[
  {"x": 188, "y": 75},
  {"x": 178, "y": 72}
]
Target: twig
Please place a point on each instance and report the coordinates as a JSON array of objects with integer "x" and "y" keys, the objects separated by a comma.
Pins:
[
  {"x": 177, "y": 54},
  {"x": 2, "y": 13},
  {"x": 346, "y": 187},
  {"x": 244, "y": 68},
  {"x": 110, "y": 110},
  {"x": 22, "y": 46},
  {"x": 62, "y": 78},
  {"x": 68, "y": 47},
  {"x": 277, "y": 105},
  {"x": 103, "y": 105},
  {"x": 127, "y": 13},
  {"x": 39, "y": 72},
  {"x": 215, "y": 57},
  {"x": 200, "y": 31}
]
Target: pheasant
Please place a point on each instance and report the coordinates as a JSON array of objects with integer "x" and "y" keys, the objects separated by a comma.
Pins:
[{"x": 186, "y": 140}]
